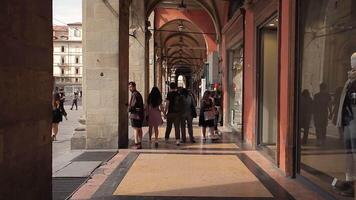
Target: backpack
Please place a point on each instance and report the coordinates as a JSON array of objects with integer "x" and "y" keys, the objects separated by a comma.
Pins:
[{"x": 179, "y": 103}]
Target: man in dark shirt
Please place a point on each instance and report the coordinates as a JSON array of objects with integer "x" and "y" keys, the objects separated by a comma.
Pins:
[
  {"x": 321, "y": 112},
  {"x": 172, "y": 113},
  {"x": 136, "y": 111}
]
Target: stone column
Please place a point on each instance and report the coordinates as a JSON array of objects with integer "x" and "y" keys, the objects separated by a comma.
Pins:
[
  {"x": 137, "y": 47},
  {"x": 104, "y": 51},
  {"x": 123, "y": 73},
  {"x": 151, "y": 59},
  {"x": 225, "y": 85},
  {"x": 26, "y": 83},
  {"x": 147, "y": 67},
  {"x": 159, "y": 74}
]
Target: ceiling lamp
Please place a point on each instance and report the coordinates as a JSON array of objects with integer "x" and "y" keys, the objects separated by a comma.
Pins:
[
  {"x": 182, "y": 7},
  {"x": 180, "y": 26}
]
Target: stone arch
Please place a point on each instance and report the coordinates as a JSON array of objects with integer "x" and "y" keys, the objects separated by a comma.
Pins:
[{"x": 212, "y": 13}]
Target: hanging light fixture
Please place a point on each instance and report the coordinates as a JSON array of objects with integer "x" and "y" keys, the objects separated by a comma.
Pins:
[
  {"x": 182, "y": 7},
  {"x": 180, "y": 26}
]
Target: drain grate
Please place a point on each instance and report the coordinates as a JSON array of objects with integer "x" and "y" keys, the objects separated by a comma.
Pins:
[
  {"x": 62, "y": 188},
  {"x": 95, "y": 156}
]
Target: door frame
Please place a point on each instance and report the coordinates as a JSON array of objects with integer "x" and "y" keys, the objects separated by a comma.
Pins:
[{"x": 273, "y": 155}]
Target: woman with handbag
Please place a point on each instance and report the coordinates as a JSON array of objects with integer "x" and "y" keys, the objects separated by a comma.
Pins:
[
  {"x": 153, "y": 110},
  {"x": 207, "y": 115}
]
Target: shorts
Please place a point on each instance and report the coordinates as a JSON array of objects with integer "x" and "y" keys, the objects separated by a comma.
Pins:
[{"x": 136, "y": 123}]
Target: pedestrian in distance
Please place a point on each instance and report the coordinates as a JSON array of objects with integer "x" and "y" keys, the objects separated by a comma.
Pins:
[
  {"x": 306, "y": 107},
  {"x": 321, "y": 106},
  {"x": 75, "y": 101},
  {"x": 154, "y": 108},
  {"x": 56, "y": 117},
  {"x": 61, "y": 104}
]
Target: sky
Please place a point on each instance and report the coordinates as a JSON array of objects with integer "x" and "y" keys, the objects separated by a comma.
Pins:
[{"x": 67, "y": 11}]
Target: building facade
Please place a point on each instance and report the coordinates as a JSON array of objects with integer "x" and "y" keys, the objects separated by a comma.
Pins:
[
  {"x": 294, "y": 57},
  {"x": 67, "y": 58}
]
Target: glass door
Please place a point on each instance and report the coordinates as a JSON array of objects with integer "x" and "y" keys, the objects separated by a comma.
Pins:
[{"x": 268, "y": 86}]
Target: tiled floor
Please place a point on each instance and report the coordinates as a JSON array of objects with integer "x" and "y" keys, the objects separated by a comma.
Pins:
[
  {"x": 212, "y": 170},
  {"x": 190, "y": 175}
]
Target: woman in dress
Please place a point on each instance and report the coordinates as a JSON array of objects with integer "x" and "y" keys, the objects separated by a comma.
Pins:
[
  {"x": 154, "y": 108},
  {"x": 56, "y": 117},
  {"x": 207, "y": 115}
]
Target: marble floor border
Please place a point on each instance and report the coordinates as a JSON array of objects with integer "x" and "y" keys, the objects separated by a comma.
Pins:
[
  {"x": 107, "y": 189},
  {"x": 226, "y": 138},
  {"x": 317, "y": 173}
]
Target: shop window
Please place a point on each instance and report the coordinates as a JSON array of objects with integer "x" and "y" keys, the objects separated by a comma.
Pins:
[
  {"x": 327, "y": 95},
  {"x": 235, "y": 80}
]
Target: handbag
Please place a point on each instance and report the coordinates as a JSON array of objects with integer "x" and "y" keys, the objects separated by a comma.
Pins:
[
  {"x": 145, "y": 118},
  {"x": 145, "y": 122},
  {"x": 193, "y": 111},
  {"x": 209, "y": 115}
]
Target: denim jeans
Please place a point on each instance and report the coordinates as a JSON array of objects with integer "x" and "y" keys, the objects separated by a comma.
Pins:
[
  {"x": 187, "y": 119},
  {"x": 350, "y": 147},
  {"x": 173, "y": 118}
]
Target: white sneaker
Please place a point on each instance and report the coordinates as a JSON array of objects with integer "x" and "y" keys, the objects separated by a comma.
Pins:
[{"x": 213, "y": 137}]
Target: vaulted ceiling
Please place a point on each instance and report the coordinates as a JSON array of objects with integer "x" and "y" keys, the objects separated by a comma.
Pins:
[
  {"x": 182, "y": 45},
  {"x": 181, "y": 42}
]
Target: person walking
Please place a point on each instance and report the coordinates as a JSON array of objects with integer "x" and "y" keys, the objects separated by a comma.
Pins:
[
  {"x": 56, "y": 117},
  {"x": 154, "y": 108},
  {"x": 136, "y": 111},
  {"x": 56, "y": 95},
  {"x": 217, "y": 103},
  {"x": 172, "y": 112},
  {"x": 189, "y": 112},
  {"x": 321, "y": 105},
  {"x": 306, "y": 103},
  {"x": 207, "y": 116},
  {"x": 61, "y": 104},
  {"x": 75, "y": 101}
]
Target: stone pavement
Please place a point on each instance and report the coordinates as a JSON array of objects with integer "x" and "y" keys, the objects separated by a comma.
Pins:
[
  {"x": 61, "y": 152},
  {"x": 218, "y": 170}
]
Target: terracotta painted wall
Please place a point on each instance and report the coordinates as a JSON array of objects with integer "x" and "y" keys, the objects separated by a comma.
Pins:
[
  {"x": 287, "y": 55},
  {"x": 249, "y": 115},
  {"x": 200, "y": 18}
]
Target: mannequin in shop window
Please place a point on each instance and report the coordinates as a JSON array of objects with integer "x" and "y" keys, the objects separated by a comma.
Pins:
[{"x": 346, "y": 122}]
